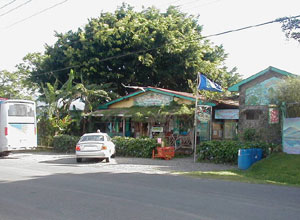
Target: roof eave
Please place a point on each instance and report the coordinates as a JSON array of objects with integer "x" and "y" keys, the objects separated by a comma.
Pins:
[{"x": 235, "y": 88}]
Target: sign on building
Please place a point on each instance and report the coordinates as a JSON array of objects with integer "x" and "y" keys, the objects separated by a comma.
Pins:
[
  {"x": 291, "y": 135},
  {"x": 203, "y": 113},
  {"x": 226, "y": 114},
  {"x": 273, "y": 115},
  {"x": 153, "y": 99}
]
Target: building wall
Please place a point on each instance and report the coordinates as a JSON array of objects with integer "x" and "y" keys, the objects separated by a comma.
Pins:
[
  {"x": 127, "y": 103},
  {"x": 130, "y": 102},
  {"x": 183, "y": 101},
  {"x": 255, "y": 113}
]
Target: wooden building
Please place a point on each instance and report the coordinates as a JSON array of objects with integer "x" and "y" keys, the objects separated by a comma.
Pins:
[{"x": 166, "y": 113}]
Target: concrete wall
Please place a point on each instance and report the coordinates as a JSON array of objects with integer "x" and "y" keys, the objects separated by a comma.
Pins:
[{"x": 268, "y": 132}]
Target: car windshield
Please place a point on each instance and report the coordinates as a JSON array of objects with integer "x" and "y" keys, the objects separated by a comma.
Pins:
[{"x": 92, "y": 138}]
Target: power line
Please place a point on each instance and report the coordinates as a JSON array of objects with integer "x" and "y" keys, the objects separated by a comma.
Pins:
[
  {"x": 7, "y": 4},
  {"x": 37, "y": 13},
  {"x": 13, "y": 9},
  {"x": 199, "y": 38},
  {"x": 252, "y": 26},
  {"x": 170, "y": 3}
]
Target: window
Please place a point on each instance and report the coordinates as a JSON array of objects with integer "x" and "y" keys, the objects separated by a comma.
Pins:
[
  {"x": 25, "y": 110},
  {"x": 252, "y": 114},
  {"x": 92, "y": 138}
]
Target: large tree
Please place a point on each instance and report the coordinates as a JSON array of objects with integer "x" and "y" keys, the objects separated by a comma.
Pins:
[
  {"x": 288, "y": 96},
  {"x": 291, "y": 27},
  {"x": 15, "y": 85},
  {"x": 146, "y": 48}
]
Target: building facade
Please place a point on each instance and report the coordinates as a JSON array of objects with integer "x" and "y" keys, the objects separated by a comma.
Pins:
[
  {"x": 257, "y": 104},
  {"x": 157, "y": 112}
]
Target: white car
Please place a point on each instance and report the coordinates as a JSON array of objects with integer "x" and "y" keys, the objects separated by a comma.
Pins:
[{"x": 95, "y": 145}]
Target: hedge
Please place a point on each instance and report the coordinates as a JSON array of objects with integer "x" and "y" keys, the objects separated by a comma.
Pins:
[
  {"x": 227, "y": 151},
  {"x": 134, "y": 147},
  {"x": 65, "y": 143}
]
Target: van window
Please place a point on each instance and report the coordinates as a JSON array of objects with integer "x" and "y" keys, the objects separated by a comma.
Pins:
[{"x": 23, "y": 110}]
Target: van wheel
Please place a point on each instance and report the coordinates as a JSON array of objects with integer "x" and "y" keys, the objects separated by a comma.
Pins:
[{"x": 78, "y": 160}]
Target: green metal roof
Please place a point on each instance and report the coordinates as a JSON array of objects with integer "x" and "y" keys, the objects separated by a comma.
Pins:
[
  {"x": 236, "y": 87},
  {"x": 105, "y": 106}
]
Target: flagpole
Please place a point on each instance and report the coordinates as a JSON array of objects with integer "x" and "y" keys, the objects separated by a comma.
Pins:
[{"x": 195, "y": 119}]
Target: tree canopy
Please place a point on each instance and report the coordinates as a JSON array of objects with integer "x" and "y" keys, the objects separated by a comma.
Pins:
[
  {"x": 15, "y": 85},
  {"x": 146, "y": 48},
  {"x": 291, "y": 27},
  {"x": 288, "y": 95}
]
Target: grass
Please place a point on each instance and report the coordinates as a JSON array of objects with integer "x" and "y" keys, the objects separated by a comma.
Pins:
[{"x": 279, "y": 168}]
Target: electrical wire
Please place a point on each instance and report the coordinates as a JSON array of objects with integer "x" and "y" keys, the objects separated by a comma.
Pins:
[
  {"x": 170, "y": 3},
  {"x": 13, "y": 9},
  {"x": 7, "y": 4},
  {"x": 37, "y": 13},
  {"x": 199, "y": 38}
]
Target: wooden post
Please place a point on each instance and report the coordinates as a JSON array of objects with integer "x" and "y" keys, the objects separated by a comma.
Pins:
[
  {"x": 124, "y": 126},
  {"x": 195, "y": 120}
]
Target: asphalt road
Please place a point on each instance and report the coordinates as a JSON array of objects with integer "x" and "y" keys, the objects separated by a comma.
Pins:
[{"x": 55, "y": 187}]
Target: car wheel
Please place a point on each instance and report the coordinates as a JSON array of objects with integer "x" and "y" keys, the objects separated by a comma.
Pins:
[
  {"x": 113, "y": 155},
  {"x": 107, "y": 159},
  {"x": 78, "y": 160}
]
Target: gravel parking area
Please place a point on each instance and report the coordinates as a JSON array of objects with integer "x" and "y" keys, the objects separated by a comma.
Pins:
[{"x": 67, "y": 162}]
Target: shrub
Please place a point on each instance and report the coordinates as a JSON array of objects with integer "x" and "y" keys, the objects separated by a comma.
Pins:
[
  {"x": 227, "y": 151},
  {"x": 250, "y": 134},
  {"x": 45, "y": 132},
  {"x": 65, "y": 143},
  {"x": 134, "y": 147}
]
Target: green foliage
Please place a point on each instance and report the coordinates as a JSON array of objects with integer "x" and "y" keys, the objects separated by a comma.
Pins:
[
  {"x": 250, "y": 134},
  {"x": 45, "y": 132},
  {"x": 61, "y": 125},
  {"x": 13, "y": 85},
  {"x": 279, "y": 168},
  {"x": 291, "y": 27},
  {"x": 153, "y": 113},
  {"x": 135, "y": 48},
  {"x": 227, "y": 151},
  {"x": 288, "y": 95},
  {"x": 134, "y": 147},
  {"x": 65, "y": 143}
]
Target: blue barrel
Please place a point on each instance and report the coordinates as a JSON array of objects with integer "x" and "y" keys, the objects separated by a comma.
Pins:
[
  {"x": 253, "y": 153},
  {"x": 259, "y": 153},
  {"x": 245, "y": 159}
]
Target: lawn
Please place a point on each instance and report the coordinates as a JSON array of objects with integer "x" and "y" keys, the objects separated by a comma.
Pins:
[{"x": 279, "y": 168}]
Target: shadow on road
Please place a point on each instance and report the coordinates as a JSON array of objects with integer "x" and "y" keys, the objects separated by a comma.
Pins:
[{"x": 72, "y": 161}]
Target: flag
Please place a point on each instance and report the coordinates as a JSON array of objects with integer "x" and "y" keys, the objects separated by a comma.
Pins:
[{"x": 206, "y": 84}]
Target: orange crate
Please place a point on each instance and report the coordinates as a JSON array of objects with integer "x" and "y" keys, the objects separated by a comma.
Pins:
[{"x": 166, "y": 153}]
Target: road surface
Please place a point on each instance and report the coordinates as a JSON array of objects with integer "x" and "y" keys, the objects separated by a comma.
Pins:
[{"x": 55, "y": 187}]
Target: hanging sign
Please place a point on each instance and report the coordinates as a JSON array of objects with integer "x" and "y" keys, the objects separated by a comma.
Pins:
[
  {"x": 153, "y": 99},
  {"x": 157, "y": 129},
  {"x": 203, "y": 113},
  {"x": 291, "y": 135},
  {"x": 273, "y": 115},
  {"x": 226, "y": 114}
]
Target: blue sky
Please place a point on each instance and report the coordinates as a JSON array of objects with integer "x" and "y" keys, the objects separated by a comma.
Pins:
[{"x": 250, "y": 50}]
